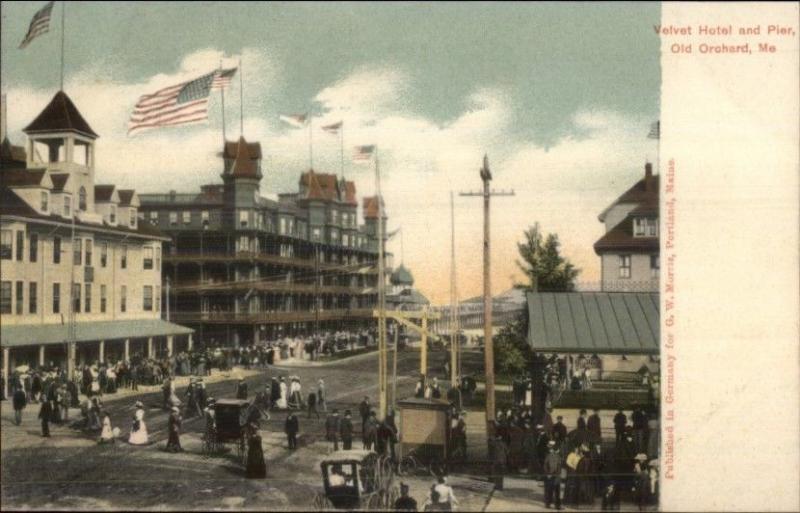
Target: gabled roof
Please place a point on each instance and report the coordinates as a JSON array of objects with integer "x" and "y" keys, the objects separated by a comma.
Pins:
[
  {"x": 13, "y": 205},
  {"x": 103, "y": 193},
  {"x": 246, "y": 156},
  {"x": 350, "y": 193},
  {"x": 12, "y": 157},
  {"x": 645, "y": 191},
  {"x": 320, "y": 186},
  {"x": 59, "y": 181},
  {"x": 594, "y": 322},
  {"x": 620, "y": 238},
  {"x": 60, "y": 115},
  {"x": 22, "y": 177},
  {"x": 371, "y": 207},
  {"x": 125, "y": 197}
]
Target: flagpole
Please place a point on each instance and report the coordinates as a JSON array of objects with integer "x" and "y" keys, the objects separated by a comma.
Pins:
[
  {"x": 241, "y": 99},
  {"x": 341, "y": 146},
  {"x": 310, "y": 143},
  {"x": 63, "y": 15},
  {"x": 222, "y": 92}
]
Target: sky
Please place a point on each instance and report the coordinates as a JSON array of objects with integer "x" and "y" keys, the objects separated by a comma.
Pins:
[{"x": 560, "y": 97}]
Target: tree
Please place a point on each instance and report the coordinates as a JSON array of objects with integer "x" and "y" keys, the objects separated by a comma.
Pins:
[
  {"x": 542, "y": 263},
  {"x": 547, "y": 271}
]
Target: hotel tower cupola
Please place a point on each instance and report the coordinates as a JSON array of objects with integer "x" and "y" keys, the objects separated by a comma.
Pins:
[{"x": 61, "y": 141}]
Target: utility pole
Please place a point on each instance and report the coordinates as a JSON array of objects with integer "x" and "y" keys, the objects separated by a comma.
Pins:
[
  {"x": 166, "y": 287},
  {"x": 382, "y": 350},
  {"x": 487, "y": 193},
  {"x": 454, "y": 343}
]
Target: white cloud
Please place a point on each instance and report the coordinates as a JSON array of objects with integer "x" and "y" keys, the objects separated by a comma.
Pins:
[{"x": 563, "y": 186}]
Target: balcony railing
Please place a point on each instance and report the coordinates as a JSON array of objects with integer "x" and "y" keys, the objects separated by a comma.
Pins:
[
  {"x": 265, "y": 258},
  {"x": 270, "y": 317},
  {"x": 268, "y": 286}
]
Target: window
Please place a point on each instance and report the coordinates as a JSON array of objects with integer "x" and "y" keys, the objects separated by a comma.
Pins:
[
  {"x": 655, "y": 265},
  {"x": 153, "y": 217},
  {"x": 6, "y": 243},
  {"x": 76, "y": 297},
  {"x": 173, "y": 218},
  {"x": 45, "y": 199},
  {"x": 20, "y": 288},
  {"x": 243, "y": 218},
  {"x": 87, "y": 304},
  {"x": 624, "y": 266},
  {"x": 56, "y": 250},
  {"x": 82, "y": 198},
  {"x": 102, "y": 299},
  {"x": 638, "y": 227},
  {"x": 158, "y": 299},
  {"x": 67, "y": 206},
  {"x": 32, "y": 297},
  {"x": 103, "y": 254},
  {"x": 132, "y": 218},
  {"x": 204, "y": 217},
  {"x": 147, "y": 302},
  {"x": 315, "y": 234},
  {"x": 20, "y": 245},
  {"x": 76, "y": 252},
  {"x": 123, "y": 298},
  {"x": 148, "y": 258},
  {"x": 88, "y": 252},
  {"x": 652, "y": 227},
  {"x": 5, "y": 297},
  {"x": 187, "y": 217},
  {"x": 56, "y": 298},
  {"x": 124, "y": 257},
  {"x": 283, "y": 226},
  {"x": 112, "y": 215},
  {"x": 34, "y": 247}
]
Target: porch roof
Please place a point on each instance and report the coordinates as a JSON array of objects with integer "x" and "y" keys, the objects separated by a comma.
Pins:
[{"x": 49, "y": 334}]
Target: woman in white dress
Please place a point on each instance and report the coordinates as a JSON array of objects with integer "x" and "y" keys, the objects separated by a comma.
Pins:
[
  {"x": 282, "y": 401},
  {"x": 107, "y": 435},
  {"x": 139, "y": 428}
]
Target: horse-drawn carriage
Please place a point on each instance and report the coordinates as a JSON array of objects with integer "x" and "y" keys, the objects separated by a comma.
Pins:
[
  {"x": 230, "y": 427},
  {"x": 356, "y": 479}
]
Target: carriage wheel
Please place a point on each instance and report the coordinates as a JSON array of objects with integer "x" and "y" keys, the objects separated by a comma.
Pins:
[
  {"x": 407, "y": 466},
  {"x": 322, "y": 503}
]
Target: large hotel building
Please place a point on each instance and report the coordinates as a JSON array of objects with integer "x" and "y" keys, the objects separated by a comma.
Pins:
[
  {"x": 242, "y": 268},
  {"x": 80, "y": 275}
]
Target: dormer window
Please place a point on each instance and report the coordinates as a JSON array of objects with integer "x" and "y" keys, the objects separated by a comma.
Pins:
[
  {"x": 112, "y": 214},
  {"x": 82, "y": 199},
  {"x": 45, "y": 199},
  {"x": 645, "y": 227},
  {"x": 133, "y": 218}
]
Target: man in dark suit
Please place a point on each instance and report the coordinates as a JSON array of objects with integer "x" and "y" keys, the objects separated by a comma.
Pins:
[
  {"x": 559, "y": 430},
  {"x": 620, "y": 421},
  {"x": 292, "y": 427},
  {"x": 241, "y": 389},
  {"x": 593, "y": 423},
  {"x": 45, "y": 412},
  {"x": 332, "y": 429},
  {"x": 20, "y": 400},
  {"x": 174, "y": 428},
  {"x": 346, "y": 431},
  {"x": 582, "y": 420},
  {"x": 363, "y": 410}
]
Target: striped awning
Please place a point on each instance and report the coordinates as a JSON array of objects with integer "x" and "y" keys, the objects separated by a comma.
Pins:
[
  {"x": 594, "y": 322},
  {"x": 48, "y": 334}
]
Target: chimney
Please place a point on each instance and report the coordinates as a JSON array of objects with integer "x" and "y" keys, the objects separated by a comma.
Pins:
[{"x": 648, "y": 177}]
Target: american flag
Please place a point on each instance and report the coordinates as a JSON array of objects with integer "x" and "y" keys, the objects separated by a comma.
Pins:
[
  {"x": 40, "y": 24},
  {"x": 223, "y": 79},
  {"x": 363, "y": 153},
  {"x": 181, "y": 104},
  {"x": 296, "y": 120},
  {"x": 334, "y": 128},
  {"x": 655, "y": 131}
]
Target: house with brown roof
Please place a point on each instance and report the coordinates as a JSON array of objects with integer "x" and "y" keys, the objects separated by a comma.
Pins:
[{"x": 629, "y": 250}]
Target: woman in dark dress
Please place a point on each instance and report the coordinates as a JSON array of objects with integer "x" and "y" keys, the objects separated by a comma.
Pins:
[{"x": 256, "y": 466}]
